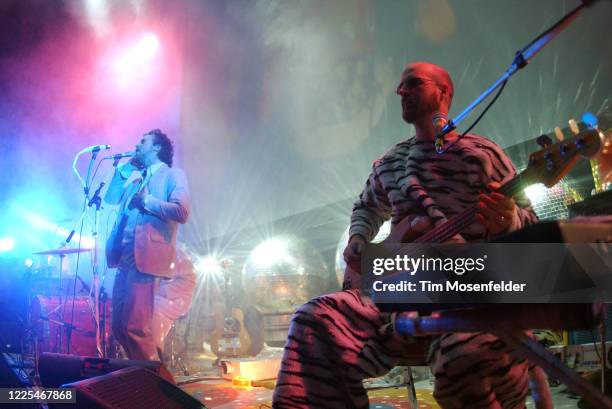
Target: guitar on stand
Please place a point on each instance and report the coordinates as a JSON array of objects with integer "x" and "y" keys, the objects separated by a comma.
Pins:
[{"x": 229, "y": 338}]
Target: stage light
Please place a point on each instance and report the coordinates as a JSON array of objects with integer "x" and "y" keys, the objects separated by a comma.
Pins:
[
  {"x": 270, "y": 252},
  {"x": 147, "y": 46},
  {"x": 536, "y": 193},
  {"x": 97, "y": 14},
  {"x": 241, "y": 382},
  {"x": 42, "y": 223},
  {"x": 284, "y": 272},
  {"x": 6, "y": 243},
  {"x": 208, "y": 265},
  {"x": 132, "y": 63}
]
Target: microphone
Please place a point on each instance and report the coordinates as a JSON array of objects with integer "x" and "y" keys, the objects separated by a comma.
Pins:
[
  {"x": 439, "y": 120},
  {"x": 95, "y": 148},
  {"x": 120, "y": 156}
]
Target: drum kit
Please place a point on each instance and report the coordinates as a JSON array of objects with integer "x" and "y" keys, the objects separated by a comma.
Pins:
[
  {"x": 63, "y": 315},
  {"x": 61, "y": 321}
]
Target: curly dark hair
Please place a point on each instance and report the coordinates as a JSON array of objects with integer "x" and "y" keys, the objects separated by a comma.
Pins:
[{"x": 166, "y": 152}]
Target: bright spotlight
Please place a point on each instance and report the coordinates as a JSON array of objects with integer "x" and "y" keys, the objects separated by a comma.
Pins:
[
  {"x": 536, "y": 193},
  {"x": 270, "y": 252},
  {"x": 208, "y": 266},
  {"x": 40, "y": 222},
  {"x": 146, "y": 47},
  {"x": 97, "y": 15},
  {"x": 133, "y": 62},
  {"x": 6, "y": 243}
]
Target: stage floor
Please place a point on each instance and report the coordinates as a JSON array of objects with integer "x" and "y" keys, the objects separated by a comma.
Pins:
[
  {"x": 222, "y": 395},
  {"x": 218, "y": 393}
]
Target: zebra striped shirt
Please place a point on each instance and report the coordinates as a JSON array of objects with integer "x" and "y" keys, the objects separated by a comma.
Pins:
[{"x": 412, "y": 179}]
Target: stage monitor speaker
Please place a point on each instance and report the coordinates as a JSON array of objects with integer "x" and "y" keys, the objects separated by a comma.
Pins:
[
  {"x": 129, "y": 388},
  {"x": 58, "y": 369},
  {"x": 8, "y": 376}
]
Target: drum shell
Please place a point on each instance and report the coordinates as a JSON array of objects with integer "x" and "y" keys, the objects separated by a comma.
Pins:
[{"x": 52, "y": 322}]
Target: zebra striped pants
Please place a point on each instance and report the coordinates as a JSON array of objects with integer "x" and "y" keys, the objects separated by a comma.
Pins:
[{"x": 337, "y": 340}]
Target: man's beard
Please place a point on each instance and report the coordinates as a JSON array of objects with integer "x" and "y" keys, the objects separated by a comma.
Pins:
[
  {"x": 416, "y": 110},
  {"x": 412, "y": 115}
]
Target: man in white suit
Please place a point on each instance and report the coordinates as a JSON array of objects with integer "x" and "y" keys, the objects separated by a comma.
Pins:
[{"x": 154, "y": 199}]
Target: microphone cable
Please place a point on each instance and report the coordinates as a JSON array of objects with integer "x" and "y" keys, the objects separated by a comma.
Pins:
[{"x": 489, "y": 105}]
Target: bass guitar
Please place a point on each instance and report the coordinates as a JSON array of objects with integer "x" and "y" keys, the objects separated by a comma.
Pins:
[{"x": 546, "y": 166}]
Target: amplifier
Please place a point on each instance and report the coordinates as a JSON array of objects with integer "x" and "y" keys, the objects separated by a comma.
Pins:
[
  {"x": 129, "y": 388},
  {"x": 584, "y": 357},
  {"x": 57, "y": 369}
]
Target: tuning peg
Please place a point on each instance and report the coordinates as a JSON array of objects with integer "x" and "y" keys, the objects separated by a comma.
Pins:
[
  {"x": 559, "y": 134},
  {"x": 544, "y": 141},
  {"x": 589, "y": 120},
  {"x": 573, "y": 125}
]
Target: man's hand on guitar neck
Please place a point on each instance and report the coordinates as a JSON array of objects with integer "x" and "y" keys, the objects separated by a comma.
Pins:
[{"x": 496, "y": 212}]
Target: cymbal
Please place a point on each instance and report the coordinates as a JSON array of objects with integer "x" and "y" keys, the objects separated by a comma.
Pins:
[{"x": 62, "y": 251}]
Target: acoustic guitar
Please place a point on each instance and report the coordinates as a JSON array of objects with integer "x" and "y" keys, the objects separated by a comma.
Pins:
[{"x": 229, "y": 338}]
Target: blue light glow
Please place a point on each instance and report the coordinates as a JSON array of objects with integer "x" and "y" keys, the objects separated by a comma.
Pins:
[{"x": 6, "y": 244}]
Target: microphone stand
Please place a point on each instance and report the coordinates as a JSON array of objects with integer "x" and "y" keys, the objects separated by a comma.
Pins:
[
  {"x": 96, "y": 291},
  {"x": 522, "y": 58},
  {"x": 99, "y": 294}
]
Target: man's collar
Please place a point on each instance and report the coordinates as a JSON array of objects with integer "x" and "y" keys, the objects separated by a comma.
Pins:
[{"x": 153, "y": 168}]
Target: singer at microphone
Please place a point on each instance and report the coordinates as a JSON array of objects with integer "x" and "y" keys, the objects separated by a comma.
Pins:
[{"x": 142, "y": 244}]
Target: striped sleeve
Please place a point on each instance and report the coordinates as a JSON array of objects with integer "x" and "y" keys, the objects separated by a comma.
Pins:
[
  {"x": 371, "y": 209},
  {"x": 499, "y": 168}
]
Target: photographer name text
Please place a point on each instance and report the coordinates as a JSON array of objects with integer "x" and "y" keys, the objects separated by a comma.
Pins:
[{"x": 448, "y": 286}]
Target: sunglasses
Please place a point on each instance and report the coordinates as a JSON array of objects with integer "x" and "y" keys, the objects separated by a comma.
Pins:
[{"x": 410, "y": 84}]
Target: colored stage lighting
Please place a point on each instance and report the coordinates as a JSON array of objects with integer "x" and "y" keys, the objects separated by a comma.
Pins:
[
  {"x": 40, "y": 222},
  {"x": 6, "y": 244},
  {"x": 97, "y": 12},
  {"x": 132, "y": 63}
]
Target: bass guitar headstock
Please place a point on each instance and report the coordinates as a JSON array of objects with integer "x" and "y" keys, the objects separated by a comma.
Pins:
[{"x": 554, "y": 161}]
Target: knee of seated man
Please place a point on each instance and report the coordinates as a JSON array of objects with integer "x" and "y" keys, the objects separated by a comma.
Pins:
[
  {"x": 313, "y": 307},
  {"x": 333, "y": 305}
]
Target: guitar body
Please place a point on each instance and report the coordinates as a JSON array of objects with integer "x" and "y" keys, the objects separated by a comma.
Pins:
[{"x": 230, "y": 338}]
